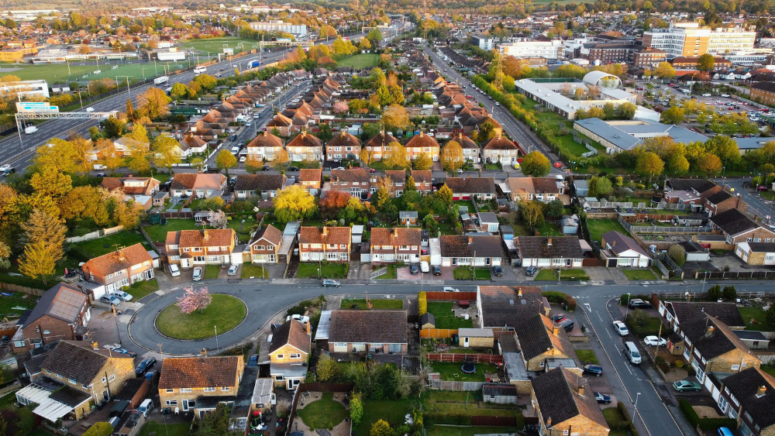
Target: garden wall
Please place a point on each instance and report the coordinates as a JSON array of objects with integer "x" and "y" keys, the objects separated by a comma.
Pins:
[
  {"x": 462, "y": 357},
  {"x": 95, "y": 235},
  {"x": 24, "y": 289},
  {"x": 451, "y": 296}
]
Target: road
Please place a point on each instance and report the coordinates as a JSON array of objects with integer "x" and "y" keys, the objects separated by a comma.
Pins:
[
  {"x": 757, "y": 205},
  {"x": 19, "y": 152}
]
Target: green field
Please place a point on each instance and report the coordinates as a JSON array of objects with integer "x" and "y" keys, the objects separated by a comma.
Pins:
[
  {"x": 216, "y": 45},
  {"x": 58, "y": 73},
  {"x": 360, "y": 61}
]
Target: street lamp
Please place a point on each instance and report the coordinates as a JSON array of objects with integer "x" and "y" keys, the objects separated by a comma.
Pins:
[
  {"x": 628, "y": 306},
  {"x": 217, "y": 347},
  {"x": 636, "y": 407}
]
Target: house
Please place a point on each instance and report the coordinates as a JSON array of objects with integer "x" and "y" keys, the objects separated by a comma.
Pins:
[
  {"x": 395, "y": 245},
  {"x": 689, "y": 191},
  {"x": 265, "y": 147},
  {"x": 120, "y": 268},
  {"x": 125, "y": 145},
  {"x": 408, "y": 217},
  {"x": 500, "y": 150},
  {"x": 622, "y": 251},
  {"x": 305, "y": 147},
  {"x": 289, "y": 353},
  {"x": 756, "y": 253},
  {"x": 543, "y": 189},
  {"x": 393, "y": 180},
  {"x": 466, "y": 188},
  {"x": 200, "y": 185},
  {"x": 62, "y": 312},
  {"x": 265, "y": 244},
  {"x": 343, "y": 146},
  {"x": 329, "y": 243},
  {"x": 264, "y": 185},
  {"x": 187, "y": 381},
  {"x": 190, "y": 145},
  {"x": 541, "y": 339},
  {"x": 501, "y": 307},
  {"x": 677, "y": 312},
  {"x": 310, "y": 179},
  {"x": 763, "y": 92},
  {"x": 476, "y": 338},
  {"x": 352, "y": 181},
  {"x": 723, "y": 201},
  {"x": 131, "y": 185},
  {"x": 99, "y": 374},
  {"x": 189, "y": 248},
  {"x": 422, "y": 144},
  {"x": 373, "y": 331},
  {"x": 549, "y": 252},
  {"x": 379, "y": 146},
  {"x": 462, "y": 250},
  {"x": 737, "y": 228},
  {"x": 423, "y": 180},
  {"x": 564, "y": 404}
]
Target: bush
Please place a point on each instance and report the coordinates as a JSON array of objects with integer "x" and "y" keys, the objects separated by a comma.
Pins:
[
  {"x": 561, "y": 298},
  {"x": 714, "y": 293},
  {"x": 679, "y": 363},
  {"x": 627, "y": 418},
  {"x": 423, "y": 303},
  {"x": 678, "y": 254},
  {"x": 730, "y": 293},
  {"x": 662, "y": 364}
]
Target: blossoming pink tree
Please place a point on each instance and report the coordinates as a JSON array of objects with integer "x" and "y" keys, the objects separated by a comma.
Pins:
[
  {"x": 341, "y": 107},
  {"x": 194, "y": 300}
]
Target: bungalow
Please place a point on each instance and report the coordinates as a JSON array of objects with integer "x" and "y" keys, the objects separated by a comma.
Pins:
[
  {"x": 395, "y": 245},
  {"x": 264, "y": 185},
  {"x": 131, "y": 185},
  {"x": 543, "y": 189},
  {"x": 756, "y": 253},
  {"x": 310, "y": 179},
  {"x": 200, "y": 185},
  {"x": 120, "y": 268},
  {"x": 549, "y": 252},
  {"x": 564, "y": 404},
  {"x": 408, "y": 217},
  {"x": 622, "y": 251},
  {"x": 373, "y": 331},
  {"x": 265, "y": 244},
  {"x": 191, "y": 144},
  {"x": 461, "y": 250},
  {"x": 329, "y": 243},
  {"x": 737, "y": 228},
  {"x": 466, "y": 188},
  {"x": 422, "y": 144}
]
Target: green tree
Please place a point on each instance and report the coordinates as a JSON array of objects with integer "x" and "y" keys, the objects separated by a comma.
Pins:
[
  {"x": 327, "y": 370},
  {"x": 730, "y": 293},
  {"x": 532, "y": 214},
  {"x": 650, "y": 164},
  {"x": 677, "y": 253},
  {"x": 374, "y": 36},
  {"x": 410, "y": 184},
  {"x": 714, "y": 293},
  {"x": 536, "y": 164},
  {"x": 677, "y": 164},
  {"x": 706, "y": 62},
  {"x": 628, "y": 110},
  {"x": 674, "y": 115},
  {"x": 179, "y": 90},
  {"x": 225, "y": 160},
  {"x": 445, "y": 195},
  {"x": 709, "y": 164},
  {"x": 381, "y": 428},
  {"x": 324, "y": 133},
  {"x": 356, "y": 409},
  {"x": 555, "y": 208}
]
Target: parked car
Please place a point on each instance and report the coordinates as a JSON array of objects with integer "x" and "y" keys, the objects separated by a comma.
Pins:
[
  {"x": 424, "y": 267},
  {"x": 686, "y": 386},
  {"x": 331, "y": 284},
  {"x": 566, "y": 325},
  {"x": 293, "y": 169},
  {"x": 110, "y": 299},
  {"x": 124, "y": 351},
  {"x": 121, "y": 295},
  {"x": 414, "y": 269},
  {"x": 559, "y": 318},
  {"x": 655, "y": 341},
  {"x": 436, "y": 270},
  {"x": 449, "y": 289},
  {"x": 145, "y": 365},
  {"x": 621, "y": 328},
  {"x": 723, "y": 431},
  {"x": 497, "y": 271},
  {"x": 593, "y": 369},
  {"x": 197, "y": 273},
  {"x": 531, "y": 270},
  {"x": 233, "y": 269},
  {"x": 762, "y": 188},
  {"x": 174, "y": 270},
  {"x": 253, "y": 361},
  {"x": 602, "y": 398},
  {"x": 637, "y": 303},
  {"x": 706, "y": 95}
]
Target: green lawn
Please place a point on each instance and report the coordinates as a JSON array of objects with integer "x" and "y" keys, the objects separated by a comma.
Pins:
[
  {"x": 769, "y": 369},
  {"x": 442, "y": 430},
  {"x": 158, "y": 232},
  {"x": 216, "y": 45},
  {"x": 97, "y": 247},
  {"x": 454, "y": 403},
  {"x": 391, "y": 273},
  {"x": 20, "y": 301},
  {"x": 391, "y": 411},
  {"x": 7, "y": 399},
  {"x": 587, "y": 356},
  {"x": 256, "y": 271},
  {"x": 323, "y": 413},
  {"x": 58, "y": 73},
  {"x": 451, "y": 371},
  {"x": 566, "y": 274},
  {"x": 548, "y": 229},
  {"x": 211, "y": 271},
  {"x": 467, "y": 203},
  {"x": 445, "y": 318},
  {"x": 614, "y": 418},
  {"x": 309, "y": 270},
  {"x": 159, "y": 428},
  {"x": 464, "y": 273},
  {"x": 639, "y": 274},
  {"x": 756, "y": 313},
  {"x": 360, "y": 61},
  {"x": 599, "y": 227},
  {"x": 348, "y": 303},
  {"x": 139, "y": 290},
  {"x": 651, "y": 328},
  {"x": 225, "y": 312}
]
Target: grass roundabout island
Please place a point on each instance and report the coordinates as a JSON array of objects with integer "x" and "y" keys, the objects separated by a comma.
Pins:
[{"x": 224, "y": 311}]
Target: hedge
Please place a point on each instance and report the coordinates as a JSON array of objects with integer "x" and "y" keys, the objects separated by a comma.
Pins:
[
  {"x": 423, "y": 303},
  {"x": 705, "y": 424},
  {"x": 628, "y": 419},
  {"x": 561, "y": 298}
]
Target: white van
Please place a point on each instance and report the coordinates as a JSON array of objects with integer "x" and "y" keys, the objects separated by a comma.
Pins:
[
  {"x": 145, "y": 407},
  {"x": 632, "y": 353}
]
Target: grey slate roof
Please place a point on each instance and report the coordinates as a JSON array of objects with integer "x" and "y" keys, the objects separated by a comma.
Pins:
[
  {"x": 733, "y": 222},
  {"x": 470, "y": 246},
  {"x": 725, "y": 312},
  {"x": 80, "y": 363},
  {"x": 370, "y": 326},
  {"x": 744, "y": 386},
  {"x": 539, "y": 247},
  {"x": 621, "y": 243},
  {"x": 557, "y": 394}
]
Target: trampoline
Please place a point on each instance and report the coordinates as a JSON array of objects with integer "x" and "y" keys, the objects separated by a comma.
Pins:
[{"x": 468, "y": 368}]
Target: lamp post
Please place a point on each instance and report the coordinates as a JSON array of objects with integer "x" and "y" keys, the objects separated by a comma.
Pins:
[
  {"x": 636, "y": 407},
  {"x": 128, "y": 89},
  {"x": 217, "y": 347},
  {"x": 627, "y": 313},
  {"x": 143, "y": 71}
]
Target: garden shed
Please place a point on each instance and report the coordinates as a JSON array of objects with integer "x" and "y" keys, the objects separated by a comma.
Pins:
[
  {"x": 499, "y": 393},
  {"x": 427, "y": 321},
  {"x": 476, "y": 337}
]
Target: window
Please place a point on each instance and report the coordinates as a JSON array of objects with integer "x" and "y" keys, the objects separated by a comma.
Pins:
[
  {"x": 281, "y": 356},
  {"x": 295, "y": 356},
  {"x": 279, "y": 378},
  {"x": 19, "y": 343},
  {"x": 111, "y": 378},
  {"x": 226, "y": 389},
  {"x": 259, "y": 247},
  {"x": 209, "y": 389},
  {"x": 185, "y": 390},
  {"x": 46, "y": 332},
  {"x": 172, "y": 402},
  {"x": 72, "y": 381},
  {"x": 186, "y": 250}
]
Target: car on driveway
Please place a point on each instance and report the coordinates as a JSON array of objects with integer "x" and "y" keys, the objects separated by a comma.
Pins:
[
  {"x": 449, "y": 289},
  {"x": 531, "y": 270},
  {"x": 110, "y": 299},
  {"x": 436, "y": 270},
  {"x": 253, "y": 361},
  {"x": 197, "y": 273},
  {"x": 637, "y": 303},
  {"x": 424, "y": 267},
  {"x": 593, "y": 369},
  {"x": 330, "y": 284},
  {"x": 723, "y": 431},
  {"x": 497, "y": 271},
  {"x": 621, "y": 328},
  {"x": 414, "y": 269},
  {"x": 121, "y": 295},
  {"x": 655, "y": 341},
  {"x": 602, "y": 398},
  {"x": 233, "y": 269},
  {"x": 124, "y": 351},
  {"x": 174, "y": 270},
  {"x": 687, "y": 386},
  {"x": 145, "y": 365}
]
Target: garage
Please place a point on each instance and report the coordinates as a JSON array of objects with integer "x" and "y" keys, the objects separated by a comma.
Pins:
[
  {"x": 340, "y": 347},
  {"x": 545, "y": 262}
]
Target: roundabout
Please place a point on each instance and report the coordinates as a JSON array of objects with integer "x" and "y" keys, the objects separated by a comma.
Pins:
[{"x": 224, "y": 313}]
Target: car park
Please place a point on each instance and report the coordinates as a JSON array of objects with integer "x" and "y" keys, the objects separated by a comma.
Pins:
[
  {"x": 593, "y": 370},
  {"x": 655, "y": 341},
  {"x": 602, "y": 398},
  {"x": 331, "y": 284},
  {"x": 174, "y": 270},
  {"x": 621, "y": 328},
  {"x": 233, "y": 269},
  {"x": 687, "y": 386},
  {"x": 197, "y": 273}
]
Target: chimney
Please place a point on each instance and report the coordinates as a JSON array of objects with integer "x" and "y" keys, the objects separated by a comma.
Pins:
[
  {"x": 95, "y": 345},
  {"x": 120, "y": 254},
  {"x": 761, "y": 391},
  {"x": 549, "y": 422},
  {"x": 308, "y": 328},
  {"x": 549, "y": 242},
  {"x": 613, "y": 244},
  {"x": 325, "y": 231},
  {"x": 738, "y": 202},
  {"x": 709, "y": 331},
  {"x": 204, "y": 352},
  {"x": 556, "y": 330},
  {"x": 581, "y": 390},
  {"x": 519, "y": 292},
  {"x": 470, "y": 240},
  {"x": 395, "y": 233}
]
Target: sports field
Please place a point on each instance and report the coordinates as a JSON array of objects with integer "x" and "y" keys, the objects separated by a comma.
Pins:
[
  {"x": 58, "y": 73},
  {"x": 216, "y": 45},
  {"x": 360, "y": 61}
]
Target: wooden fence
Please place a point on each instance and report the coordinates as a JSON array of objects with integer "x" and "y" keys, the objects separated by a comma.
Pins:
[
  {"x": 443, "y": 385},
  {"x": 303, "y": 389},
  {"x": 462, "y": 357},
  {"x": 437, "y": 333},
  {"x": 24, "y": 289},
  {"x": 95, "y": 235},
  {"x": 451, "y": 296},
  {"x": 494, "y": 421}
]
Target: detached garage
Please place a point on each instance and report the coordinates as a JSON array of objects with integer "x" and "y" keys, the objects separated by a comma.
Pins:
[{"x": 756, "y": 253}]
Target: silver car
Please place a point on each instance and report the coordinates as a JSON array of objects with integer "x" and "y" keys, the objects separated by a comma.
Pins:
[
  {"x": 233, "y": 270},
  {"x": 197, "y": 273}
]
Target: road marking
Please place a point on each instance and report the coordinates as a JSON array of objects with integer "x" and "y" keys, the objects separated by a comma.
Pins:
[{"x": 598, "y": 315}]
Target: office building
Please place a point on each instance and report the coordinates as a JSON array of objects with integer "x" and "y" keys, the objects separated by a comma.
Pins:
[
  {"x": 533, "y": 49},
  {"x": 279, "y": 26},
  {"x": 482, "y": 41},
  {"x": 689, "y": 40},
  {"x": 25, "y": 87}
]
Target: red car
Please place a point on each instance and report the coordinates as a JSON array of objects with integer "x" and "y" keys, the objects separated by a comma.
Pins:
[
  {"x": 372, "y": 170},
  {"x": 558, "y": 164},
  {"x": 762, "y": 188}
]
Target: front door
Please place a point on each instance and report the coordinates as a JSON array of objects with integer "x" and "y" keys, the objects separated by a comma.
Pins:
[
  {"x": 292, "y": 384},
  {"x": 105, "y": 395},
  {"x": 184, "y": 263},
  {"x": 465, "y": 342},
  {"x": 185, "y": 405}
]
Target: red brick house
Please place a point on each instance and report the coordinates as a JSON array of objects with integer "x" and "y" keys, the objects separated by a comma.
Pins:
[
  {"x": 120, "y": 268},
  {"x": 62, "y": 313}
]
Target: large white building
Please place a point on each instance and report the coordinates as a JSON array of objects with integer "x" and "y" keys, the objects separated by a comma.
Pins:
[
  {"x": 483, "y": 42},
  {"x": 691, "y": 40},
  {"x": 533, "y": 49},
  {"x": 279, "y": 26},
  {"x": 25, "y": 87}
]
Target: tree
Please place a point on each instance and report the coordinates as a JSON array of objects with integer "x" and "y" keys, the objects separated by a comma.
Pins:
[
  {"x": 51, "y": 183},
  {"x": 664, "y": 71},
  {"x": 395, "y": 117},
  {"x": 153, "y": 103},
  {"x": 206, "y": 81},
  {"x": 37, "y": 261},
  {"x": 217, "y": 219},
  {"x": 532, "y": 213},
  {"x": 367, "y": 156},
  {"x": 5, "y": 255},
  {"x": 709, "y": 164},
  {"x": 730, "y": 293},
  {"x": 396, "y": 157},
  {"x": 677, "y": 164},
  {"x": 179, "y": 90},
  {"x": 410, "y": 184},
  {"x": 365, "y": 44},
  {"x": 99, "y": 429},
  {"x": 599, "y": 187},
  {"x": 324, "y": 132},
  {"x": 452, "y": 157},
  {"x": 341, "y": 107},
  {"x": 294, "y": 203},
  {"x": 714, "y": 293},
  {"x": 113, "y": 127},
  {"x": 380, "y": 198},
  {"x": 332, "y": 202},
  {"x": 375, "y": 36},
  {"x": 381, "y": 428},
  {"x": 281, "y": 160},
  {"x": 47, "y": 229},
  {"x": 555, "y": 208},
  {"x": 327, "y": 370},
  {"x": 128, "y": 214},
  {"x": 225, "y": 160},
  {"x": 627, "y": 110},
  {"x": 108, "y": 155},
  {"x": 674, "y": 115},
  {"x": 139, "y": 162},
  {"x": 423, "y": 162},
  {"x": 130, "y": 110},
  {"x": 536, "y": 164},
  {"x": 356, "y": 409},
  {"x": 706, "y": 62},
  {"x": 445, "y": 195},
  {"x": 650, "y": 164},
  {"x": 139, "y": 133},
  {"x": 194, "y": 300},
  {"x": 724, "y": 147},
  {"x": 167, "y": 152},
  {"x": 677, "y": 253}
]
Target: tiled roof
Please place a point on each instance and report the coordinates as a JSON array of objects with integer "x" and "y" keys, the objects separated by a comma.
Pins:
[
  {"x": 291, "y": 333},
  {"x": 711, "y": 344},
  {"x": 535, "y": 335},
  {"x": 698, "y": 185},
  {"x": 745, "y": 385},
  {"x": 397, "y": 236},
  {"x": 326, "y": 235},
  {"x": 351, "y": 175},
  {"x": 63, "y": 302},
  {"x": 344, "y": 139},
  {"x": 305, "y": 140},
  {"x": 310, "y": 175},
  {"x": 620, "y": 243},
  {"x": 203, "y": 238},
  {"x": 422, "y": 176},
  {"x": 504, "y": 306},
  {"x": 465, "y": 142},
  {"x": 119, "y": 260},
  {"x": 269, "y": 233},
  {"x": 553, "y": 247},
  {"x": 200, "y": 372},
  {"x": 380, "y": 140},
  {"x": 260, "y": 182},
  {"x": 471, "y": 185},
  {"x": 396, "y": 176},
  {"x": 725, "y": 312},
  {"x": 499, "y": 143},
  {"x": 76, "y": 360},
  {"x": 422, "y": 141},
  {"x": 470, "y": 246},
  {"x": 557, "y": 393},
  {"x": 197, "y": 181},
  {"x": 370, "y": 326},
  {"x": 719, "y": 197},
  {"x": 266, "y": 140},
  {"x": 733, "y": 222}
]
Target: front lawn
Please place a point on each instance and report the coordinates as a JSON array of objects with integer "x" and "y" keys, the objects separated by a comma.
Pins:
[
  {"x": 351, "y": 303},
  {"x": 651, "y": 328},
  {"x": 97, "y": 247},
  {"x": 391, "y": 273},
  {"x": 587, "y": 356},
  {"x": 445, "y": 318},
  {"x": 139, "y": 290},
  {"x": 212, "y": 271},
  {"x": 225, "y": 312},
  {"x": 158, "y": 232},
  {"x": 756, "y": 313},
  {"x": 160, "y": 428},
  {"x": 464, "y": 273},
  {"x": 309, "y": 270},
  {"x": 639, "y": 274},
  {"x": 323, "y": 413},
  {"x": 565, "y": 274},
  {"x": 452, "y": 371},
  {"x": 391, "y": 411},
  {"x": 255, "y": 271},
  {"x": 597, "y": 228},
  {"x": 614, "y": 418}
]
